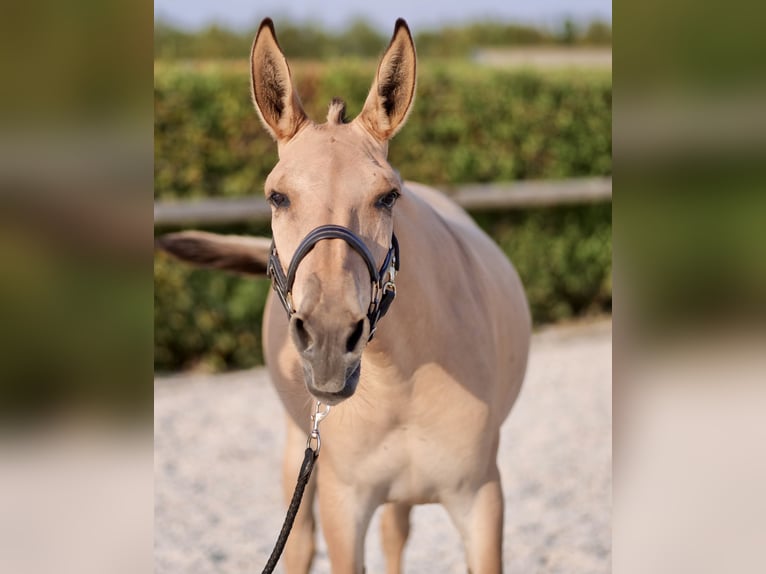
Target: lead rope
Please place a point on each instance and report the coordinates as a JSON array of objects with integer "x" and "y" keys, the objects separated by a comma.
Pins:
[{"x": 309, "y": 458}]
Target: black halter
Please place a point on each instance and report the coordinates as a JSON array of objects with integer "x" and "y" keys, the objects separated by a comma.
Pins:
[{"x": 383, "y": 287}]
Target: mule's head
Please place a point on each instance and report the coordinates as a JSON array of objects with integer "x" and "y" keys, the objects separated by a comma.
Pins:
[{"x": 331, "y": 173}]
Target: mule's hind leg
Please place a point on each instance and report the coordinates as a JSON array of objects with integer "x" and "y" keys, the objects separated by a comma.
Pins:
[
  {"x": 478, "y": 516},
  {"x": 299, "y": 550},
  {"x": 395, "y": 528}
]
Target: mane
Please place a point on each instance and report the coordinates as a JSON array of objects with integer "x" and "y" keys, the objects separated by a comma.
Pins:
[{"x": 336, "y": 114}]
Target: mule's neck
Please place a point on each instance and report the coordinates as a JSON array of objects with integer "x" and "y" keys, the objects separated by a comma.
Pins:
[{"x": 410, "y": 330}]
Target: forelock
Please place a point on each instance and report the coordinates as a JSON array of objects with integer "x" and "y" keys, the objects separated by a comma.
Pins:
[{"x": 336, "y": 114}]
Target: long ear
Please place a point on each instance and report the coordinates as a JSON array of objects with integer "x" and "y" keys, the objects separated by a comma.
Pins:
[
  {"x": 273, "y": 92},
  {"x": 237, "y": 253},
  {"x": 392, "y": 92}
]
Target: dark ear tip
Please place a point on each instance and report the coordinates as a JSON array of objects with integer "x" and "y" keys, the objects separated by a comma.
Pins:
[
  {"x": 267, "y": 23},
  {"x": 401, "y": 23}
]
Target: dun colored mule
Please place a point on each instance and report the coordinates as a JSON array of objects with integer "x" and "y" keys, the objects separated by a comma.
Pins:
[{"x": 417, "y": 407}]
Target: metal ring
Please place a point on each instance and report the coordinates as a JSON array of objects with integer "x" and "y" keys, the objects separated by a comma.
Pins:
[{"x": 314, "y": 435}]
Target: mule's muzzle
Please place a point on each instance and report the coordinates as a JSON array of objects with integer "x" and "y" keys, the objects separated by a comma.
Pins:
[
  {"x": 334, "y": 391},
  {"x": 331, "y": 353},
  {"x": 310, "y": 340}
]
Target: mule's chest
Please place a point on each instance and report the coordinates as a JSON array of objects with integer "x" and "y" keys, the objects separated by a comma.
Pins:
[{"x": 407, "y": 462}]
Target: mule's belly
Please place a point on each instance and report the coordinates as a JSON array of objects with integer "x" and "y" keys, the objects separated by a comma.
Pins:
[{"x": 432, "y": 471}]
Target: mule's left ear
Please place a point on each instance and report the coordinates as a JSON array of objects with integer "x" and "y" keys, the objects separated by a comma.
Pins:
[{"x": 392, "y": 92}]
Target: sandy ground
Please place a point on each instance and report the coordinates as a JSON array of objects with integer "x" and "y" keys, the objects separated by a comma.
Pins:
[{"x": 218, "y": 442}]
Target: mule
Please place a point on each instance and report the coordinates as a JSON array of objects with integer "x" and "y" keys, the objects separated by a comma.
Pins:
[{"x": 417, "y": 408}]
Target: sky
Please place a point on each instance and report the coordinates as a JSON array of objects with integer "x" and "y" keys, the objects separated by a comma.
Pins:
[{"x": 334, "y": 14}]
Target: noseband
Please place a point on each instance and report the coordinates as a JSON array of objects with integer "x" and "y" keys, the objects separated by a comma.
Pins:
[{"x": 383, "y": 287}]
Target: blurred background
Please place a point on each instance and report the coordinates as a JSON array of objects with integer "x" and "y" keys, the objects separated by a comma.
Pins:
[
  {"x": 513, "y": 119},
  {"x": 505, "y": 94},
  {"x": 77, "y": 182}
]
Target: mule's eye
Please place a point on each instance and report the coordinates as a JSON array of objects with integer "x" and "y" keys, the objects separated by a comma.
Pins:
[
  {"x": 278, "y": 199},
  {"x": 388, "y": 200}
]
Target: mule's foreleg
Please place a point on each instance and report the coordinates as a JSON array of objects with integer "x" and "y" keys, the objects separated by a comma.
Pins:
[
  {"x": 478, "y": 516},
  {"x": 395, "y": 528},
  {"x": 345, "y": 512},
  {"x": 299, "y": 550}
]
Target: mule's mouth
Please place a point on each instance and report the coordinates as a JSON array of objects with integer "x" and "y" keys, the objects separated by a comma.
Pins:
[{"x": 335, "y": 397}]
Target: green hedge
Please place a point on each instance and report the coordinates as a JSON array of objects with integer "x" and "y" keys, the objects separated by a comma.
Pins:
[
  {"x": 469, "y": 124},
  {"x": 206, "y": 318}
]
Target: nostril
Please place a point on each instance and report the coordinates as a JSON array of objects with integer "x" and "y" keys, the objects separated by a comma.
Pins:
[
  {"x": 355, "y": 336},
  {"x": 303, "y": 338}
]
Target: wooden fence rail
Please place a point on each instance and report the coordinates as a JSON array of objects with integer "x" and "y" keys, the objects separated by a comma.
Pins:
[{"x": 473, "y": 197}]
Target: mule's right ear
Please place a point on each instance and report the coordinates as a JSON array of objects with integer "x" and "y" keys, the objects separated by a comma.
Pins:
[
  {"x": 273, "y": 92},
  {"x": 249, "y": 255}
]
